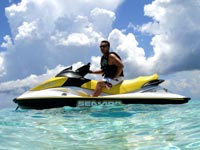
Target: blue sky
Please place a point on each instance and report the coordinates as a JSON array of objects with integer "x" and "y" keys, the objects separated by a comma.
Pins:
[
  {"x": 132, "y": 11},
  {"x": 5, "y": 29},
  {"x": 151, "y": 36},
  {"x": 3, "y": 20}
]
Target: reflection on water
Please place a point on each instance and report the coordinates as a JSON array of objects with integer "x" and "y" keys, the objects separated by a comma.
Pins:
[{"x": 141, "y": 127}]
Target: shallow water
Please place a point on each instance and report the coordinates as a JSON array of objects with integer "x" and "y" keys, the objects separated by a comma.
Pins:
[{"x": 129, "y": 127}]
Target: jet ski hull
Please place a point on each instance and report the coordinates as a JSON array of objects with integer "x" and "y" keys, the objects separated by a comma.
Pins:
[{"x": 45, "y": 103}]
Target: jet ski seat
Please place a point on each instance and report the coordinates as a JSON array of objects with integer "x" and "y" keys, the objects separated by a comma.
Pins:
[{"x": 125, "y": 87}]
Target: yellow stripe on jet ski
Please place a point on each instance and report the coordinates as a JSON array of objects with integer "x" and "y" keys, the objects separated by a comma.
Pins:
[
  {"x": 125, "y": 87},
  {"x": 51, "y": 83}
]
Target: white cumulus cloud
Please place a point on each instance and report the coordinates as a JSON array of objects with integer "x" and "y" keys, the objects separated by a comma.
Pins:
[
  {"x": 26, "y": 30},
  {"x": 133, "y": 56},
  {"x": 46, "y": 33},
  {"x": 176, "y": 32},
  {"x": 8, "y": 42},
  {"x": 1, "y": 65}
]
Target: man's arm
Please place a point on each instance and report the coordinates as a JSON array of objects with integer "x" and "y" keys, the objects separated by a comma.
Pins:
[
  {"x": 96, "y": 72},
  {"x": 114, "y": 60}
]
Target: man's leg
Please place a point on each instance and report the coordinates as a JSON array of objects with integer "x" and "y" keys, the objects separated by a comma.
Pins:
[{"x": 99, "y": 87}]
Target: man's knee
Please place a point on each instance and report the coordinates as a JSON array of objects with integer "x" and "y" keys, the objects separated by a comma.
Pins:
[{"x": 101, "y": 83}]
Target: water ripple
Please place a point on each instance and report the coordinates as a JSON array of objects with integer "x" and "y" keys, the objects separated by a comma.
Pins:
[{"x": 141, "y": 127}]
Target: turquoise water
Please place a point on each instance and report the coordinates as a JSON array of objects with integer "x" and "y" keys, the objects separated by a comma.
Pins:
[{"x": 129, "y": 127}]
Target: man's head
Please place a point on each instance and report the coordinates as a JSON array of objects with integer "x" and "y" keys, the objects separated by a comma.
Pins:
[{"x": 105, "y": 47}]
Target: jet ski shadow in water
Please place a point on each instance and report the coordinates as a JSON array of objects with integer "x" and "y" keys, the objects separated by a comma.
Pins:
[{"x": 71, "y": 88}]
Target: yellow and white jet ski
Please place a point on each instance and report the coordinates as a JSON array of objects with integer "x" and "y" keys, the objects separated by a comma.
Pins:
[{"x": 70, "y": 88}]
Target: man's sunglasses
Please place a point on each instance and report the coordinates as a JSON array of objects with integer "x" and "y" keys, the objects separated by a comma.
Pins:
[{"x": 102, "y": 46}]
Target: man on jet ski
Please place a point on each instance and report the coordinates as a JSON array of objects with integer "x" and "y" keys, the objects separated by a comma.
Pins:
[{"x": 111, "y": 69}]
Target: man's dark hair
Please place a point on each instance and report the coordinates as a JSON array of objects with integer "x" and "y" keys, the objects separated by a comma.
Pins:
[{"x": 105, "y": 41}]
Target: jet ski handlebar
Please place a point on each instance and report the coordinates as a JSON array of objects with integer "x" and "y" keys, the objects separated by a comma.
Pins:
[
  {"x": 82, "y": 71},
  {"x": 78, "y": 73}
]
